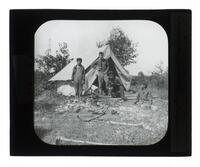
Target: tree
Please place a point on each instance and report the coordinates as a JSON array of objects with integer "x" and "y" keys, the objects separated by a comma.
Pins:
[
  {"x": 123, "y": 48},
  {"x": 47, "y": 65},
  {"x": 141, "y": 78},
  {"x": 50, "y": 64},
  {"x": 141, "y": 74},
  {"x": 159, "y": 69},
  {"x": 159, "y": 76}
]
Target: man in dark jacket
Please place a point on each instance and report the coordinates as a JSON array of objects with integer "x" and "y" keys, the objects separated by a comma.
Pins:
[
  {"x": 102, "y": 67},
  {"x": 78, "y": 77}
]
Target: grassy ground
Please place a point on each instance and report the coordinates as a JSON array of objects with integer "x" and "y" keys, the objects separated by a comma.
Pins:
[{"x": 62, "y": 120}]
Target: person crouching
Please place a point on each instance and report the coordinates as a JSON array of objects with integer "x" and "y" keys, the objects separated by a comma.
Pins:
[
  {"x": 78, "y": 77},
  {"x": 115, "y": 86}
]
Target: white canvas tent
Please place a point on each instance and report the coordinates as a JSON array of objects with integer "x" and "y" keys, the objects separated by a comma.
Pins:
[
  {"x": 114, "y": 65},
  {"x": 66, "y": 73},
  {"x": 91, "y": 73}
]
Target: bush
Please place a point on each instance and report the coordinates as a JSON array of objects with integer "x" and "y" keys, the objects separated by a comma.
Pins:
[
  {"x": 47, "y": 66},
  {"x": 41, "y": 83}
]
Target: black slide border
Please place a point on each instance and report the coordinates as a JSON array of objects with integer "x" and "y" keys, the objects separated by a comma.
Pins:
[{"x": 23, "y": 25}]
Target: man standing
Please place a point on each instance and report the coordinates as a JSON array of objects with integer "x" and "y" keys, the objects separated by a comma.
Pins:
[
  {"x": 102, "y": 67},
  {"x": 78, "y": 77}
]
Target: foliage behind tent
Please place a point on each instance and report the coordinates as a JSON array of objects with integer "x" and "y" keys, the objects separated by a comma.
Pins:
[
  {"x": 123, "y": 48},
  {"x": 157, "y": 81},
  {"x": 48, "y": 65}
]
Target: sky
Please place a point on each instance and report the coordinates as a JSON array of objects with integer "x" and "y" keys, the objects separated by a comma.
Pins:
[{"x": 81, "y": 38}]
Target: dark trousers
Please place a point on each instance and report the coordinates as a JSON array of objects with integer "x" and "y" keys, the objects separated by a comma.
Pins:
[
  {"x": 117, "y": 91},
  {"x": 102, "y": 78},
  {"x": 78, "y": 88}
]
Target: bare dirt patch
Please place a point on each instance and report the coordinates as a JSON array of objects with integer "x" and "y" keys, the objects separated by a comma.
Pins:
[{"x": 65, "y": 121}]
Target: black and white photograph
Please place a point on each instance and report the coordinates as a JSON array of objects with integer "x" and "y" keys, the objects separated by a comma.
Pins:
[{"x": 101, "y": 82}]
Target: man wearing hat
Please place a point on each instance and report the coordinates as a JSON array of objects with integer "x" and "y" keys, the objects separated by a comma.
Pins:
[
  {"x": 78, "y": 77},
  {"x": 102, "y": 67}
]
